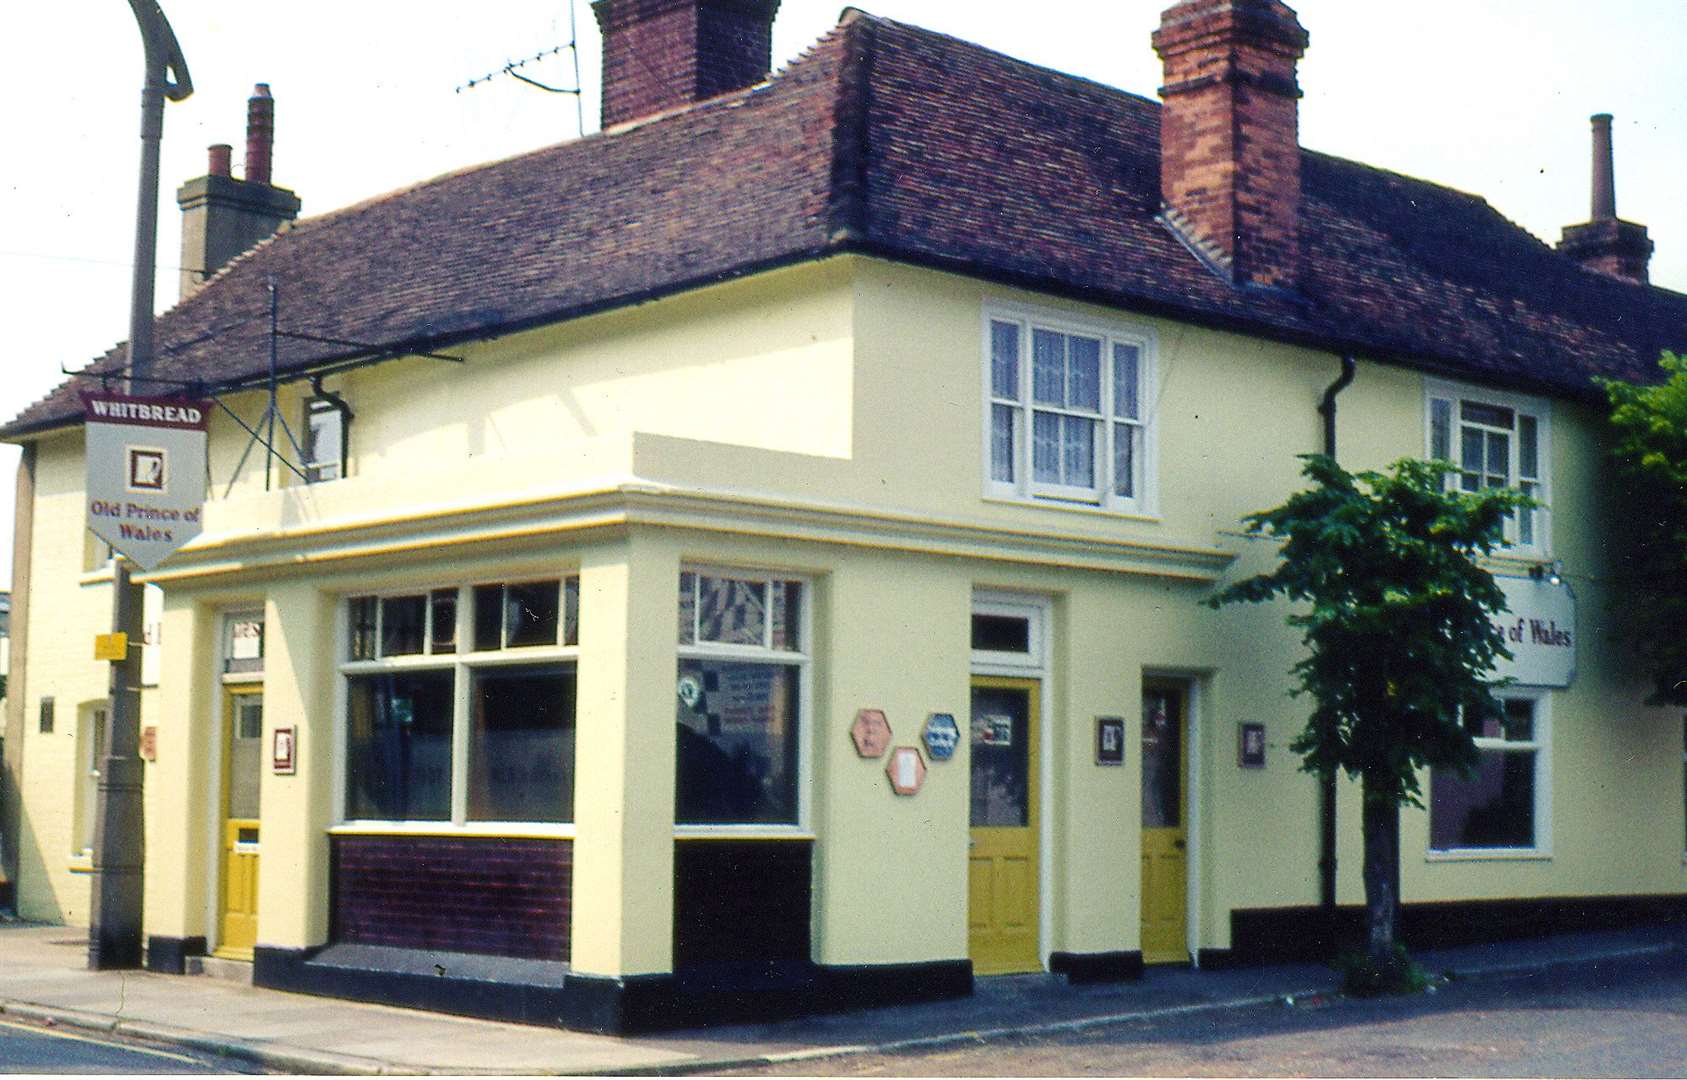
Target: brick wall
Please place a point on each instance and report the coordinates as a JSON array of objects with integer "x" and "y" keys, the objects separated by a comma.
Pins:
[
  {"x": 662, "y": 54},
  {"x": 458, "y": 894},
  {"x": 1230, "y": 135}
]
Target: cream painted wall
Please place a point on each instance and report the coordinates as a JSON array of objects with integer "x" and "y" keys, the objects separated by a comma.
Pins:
[{"x": 827, "y": 420}]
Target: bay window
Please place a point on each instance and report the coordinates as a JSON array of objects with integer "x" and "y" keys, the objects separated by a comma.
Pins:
[
  {"x": 1504, "y": 805},
  {"x": 1065, "y": 411},
  {"x": 741, "y": 686},
  {"x": 460, "y": 704}
]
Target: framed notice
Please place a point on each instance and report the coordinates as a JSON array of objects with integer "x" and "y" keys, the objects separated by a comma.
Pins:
[
  {"x": 284, "y": 752},
  {"x": 1250, "y": 746},
  {"x": 1109, "y": 740}
]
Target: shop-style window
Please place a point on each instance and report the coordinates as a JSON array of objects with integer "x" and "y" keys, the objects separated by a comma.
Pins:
[
  {"x": 460, "y": 703},
  {"x": 1497, "y": 441},
  {"x": 1066, "y": 412},
  {"x": 1504, "y": 805},
  {"x": 742, "y": 666}
]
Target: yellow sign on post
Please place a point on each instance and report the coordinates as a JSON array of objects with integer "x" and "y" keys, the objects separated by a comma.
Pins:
[{"x": 113, "y": 647}]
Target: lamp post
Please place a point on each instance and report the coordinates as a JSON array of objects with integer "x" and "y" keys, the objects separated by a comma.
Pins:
[{"x": 114, "y": 930}]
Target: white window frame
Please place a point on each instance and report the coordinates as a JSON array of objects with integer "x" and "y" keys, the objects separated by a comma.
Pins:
[
  {"x": 1541, "y": 745},
  {"x": 801, "y": 658},
  {"x": 91, "y": 719},
  {"x": 462, "y": 663},
  {"x": 318, "y": 471},
  {"x": 1023, "y": 488},
  {"x": 1520, "y": 405}
]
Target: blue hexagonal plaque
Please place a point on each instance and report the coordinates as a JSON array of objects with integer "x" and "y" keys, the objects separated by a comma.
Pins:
[{"x": 941, "y": 735}]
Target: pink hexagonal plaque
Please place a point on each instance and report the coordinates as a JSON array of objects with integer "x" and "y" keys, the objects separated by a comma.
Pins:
[{"x": 871, "y": 732}]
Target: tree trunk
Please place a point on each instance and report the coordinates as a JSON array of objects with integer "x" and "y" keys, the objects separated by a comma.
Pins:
[{"x": 1382, "y": 876}]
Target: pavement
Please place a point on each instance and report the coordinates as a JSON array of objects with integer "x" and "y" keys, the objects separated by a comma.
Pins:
[{"x": 43, "y": 978}]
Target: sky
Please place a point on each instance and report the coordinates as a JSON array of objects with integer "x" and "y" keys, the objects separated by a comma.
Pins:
[{"x": 1488, "y": 96}]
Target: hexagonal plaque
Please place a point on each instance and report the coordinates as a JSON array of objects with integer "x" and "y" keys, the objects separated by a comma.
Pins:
[
  {"x": 906, "y": 769},
  {"x": 871, "y": 732},
  {"x": 940, "y": 735}
]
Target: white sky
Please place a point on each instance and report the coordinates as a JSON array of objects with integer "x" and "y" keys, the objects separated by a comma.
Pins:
[{"x": 1490, "y": 96}]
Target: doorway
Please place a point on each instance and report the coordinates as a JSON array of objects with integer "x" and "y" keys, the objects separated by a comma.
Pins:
[
  {"x": 1002, "y": 865},
  {"x": 242, "y": 768},
  {"x": 1165, "y": 829}
]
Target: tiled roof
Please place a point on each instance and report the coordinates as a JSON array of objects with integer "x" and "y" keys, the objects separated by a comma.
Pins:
[{"x": 896, "y": 141}]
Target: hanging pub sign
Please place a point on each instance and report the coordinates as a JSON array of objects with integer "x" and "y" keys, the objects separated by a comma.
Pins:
[
  {"x": 146, "y": 473},
  {"x": 1540, "y": 631}
]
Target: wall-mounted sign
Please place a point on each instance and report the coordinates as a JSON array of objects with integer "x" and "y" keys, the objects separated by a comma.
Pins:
[
  {"x": 871, "y": 733},
  {"x": 145, "y": 473},
  {"x": 907, "y": 771},
  {"x": 112, "y": 647},
  {"x": 992, "y": 729},
  {"x": 1109, "y": 740},
  {"x": 1250, "y": 746},
  {"x": 1540, "y": 632},
  {"x": 283, "y": 756},
  {"x": 149, "y": 743},
  {"x": 941, "y": 735}
]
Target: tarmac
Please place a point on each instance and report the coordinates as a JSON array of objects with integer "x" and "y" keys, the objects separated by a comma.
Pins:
[{"x": 43, "y": 977}]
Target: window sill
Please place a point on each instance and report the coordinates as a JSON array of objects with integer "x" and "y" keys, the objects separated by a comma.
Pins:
[
  {"x": 1488, "y": 855},
  {"x": 81, "y": 864},
  {"x": 478, "y": 830},
  {"x": 741, "y": 832},
  {"x": 1063, "y": 506}
]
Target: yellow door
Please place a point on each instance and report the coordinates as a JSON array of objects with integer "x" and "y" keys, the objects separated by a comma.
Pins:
[
  {"x": 1165, "y": 873},
  {"x": 1002, "y": 869},
  {"x": 243, "y": 731}
]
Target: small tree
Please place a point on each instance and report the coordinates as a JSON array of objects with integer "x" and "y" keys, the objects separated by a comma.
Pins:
[
  {"x": 1650, "y": 455},
  {"x": 1401, "y": 646}
]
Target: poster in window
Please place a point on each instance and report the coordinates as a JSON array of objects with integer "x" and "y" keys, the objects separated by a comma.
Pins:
[
  {"x": 1109, "y": 740},
  {"x": 1250, "y": 746}
]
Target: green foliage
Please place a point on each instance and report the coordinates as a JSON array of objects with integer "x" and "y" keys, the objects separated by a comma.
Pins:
[
  {"x": 1395, "y": 973},
  {"x": 1649, "y": 452},
  {"x": 1396, "y": 617}
]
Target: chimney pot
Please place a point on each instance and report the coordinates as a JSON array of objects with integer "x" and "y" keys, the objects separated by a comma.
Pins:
[
  {"x": 260, "y": 134},
  {"x": 1604, "y": 171},
  {"x": 220, "y": 155}
]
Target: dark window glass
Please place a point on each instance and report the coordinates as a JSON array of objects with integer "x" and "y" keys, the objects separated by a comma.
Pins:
[
  {"x": 571, "y": 611},
  {"x": 1001, "y": 757},
  {"x": 402, "y": 620},
  {"x": 1001, "y": 633},
  {"x": 731, "y": 611},
  {"x": 1475, "y": 412},
  {"x": 737, "y": 752},
  {"x": 1162, "y": 759},
  {"x": 521, "y": 744},
  {"x": 530, "y": 613},
  {"x": 787, "y": 615},
  {"x": 1493, "y": 809},
  {"x": 398, "y": 746},
  {"x": 488, "y": 617},
  {"x": 687, "y": 608},
  {"x": 444, "y": 633},
  {"x": 46, "y": 725},
  {"x": 360, "y": 617}
]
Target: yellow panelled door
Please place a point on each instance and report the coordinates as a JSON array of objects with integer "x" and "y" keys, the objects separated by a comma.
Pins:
[
  {"x": 243, "y": 730},
  {"x": 1002, "y": 867},
  {"x": 1165, "y": 863}
]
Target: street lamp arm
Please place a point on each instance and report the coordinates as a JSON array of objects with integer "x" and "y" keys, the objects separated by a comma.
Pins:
[{"x": 165, "y": 64}]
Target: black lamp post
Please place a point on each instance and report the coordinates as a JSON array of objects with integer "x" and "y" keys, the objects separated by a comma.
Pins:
[{"x": 114, "y": 930}]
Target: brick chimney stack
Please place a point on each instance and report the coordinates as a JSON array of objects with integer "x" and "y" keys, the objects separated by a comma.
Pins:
[
  {"x": 664, "y": 54},
  {"x": 1607, "y": 244},
  {"x": 223, "y": 217},
  {"x": 1230, "y": 134}
]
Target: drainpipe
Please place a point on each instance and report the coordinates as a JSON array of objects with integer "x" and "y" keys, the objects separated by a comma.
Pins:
[{"x": 1327, "y": 782}]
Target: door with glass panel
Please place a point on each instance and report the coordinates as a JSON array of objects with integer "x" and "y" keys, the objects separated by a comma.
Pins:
[
  {"x": 1165, "y": 864},
  {"x": 1002, "y": 864},
  {"x": 243, "y": 731}
]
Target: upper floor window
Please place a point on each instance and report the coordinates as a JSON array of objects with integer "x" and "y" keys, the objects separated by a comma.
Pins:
[
  {"x": 324, "y": 449},
  {"x": 1066, "y": 415},
  {"x": 1497, "y": 441}
]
